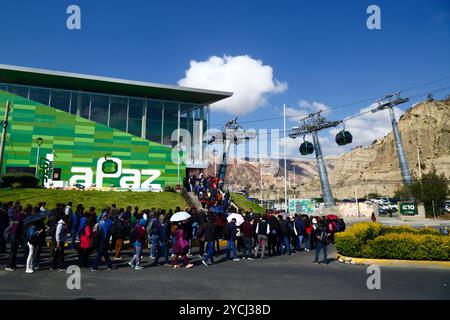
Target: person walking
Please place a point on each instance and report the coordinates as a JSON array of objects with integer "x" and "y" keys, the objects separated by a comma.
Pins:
[
  {"x": 102, "y": 235},
  {"x": 300, "y": 229},
  {"x": 85, "y": 236},
  {"x": 308, "y": 234},
  {"x": 209, "y": 230},
  {"x": 33, "y": 236},
  {"x": 262, "y": 230},
  {"x": 181, "y": 248},
  {"x": 163, "y": 241},
  {"x": 120, "y": 230},
  {"x": 283, "y": 236},
  {"x": 230, "y": 234},
  {"x": 247, "y": 236},
  {"x": 153, "y": 234},
  {"x": 137, "y": 239},
  {"x": 74, "y": 224},
  {"x": 273, "y": 236},
  {"x": 17, "y": 230},
  {"x": 4, "y": 223},
  {"x": 60, "y": 239},
  {"x": 321, "y": 235}
]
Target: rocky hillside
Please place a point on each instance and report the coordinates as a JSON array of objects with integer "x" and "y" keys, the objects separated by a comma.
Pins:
[{"x": 374, "y": 168}]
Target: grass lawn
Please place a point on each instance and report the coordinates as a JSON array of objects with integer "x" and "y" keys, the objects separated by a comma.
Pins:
[
  {"x": 244, "y": 204},
  {"x": 97, "y": 199}
]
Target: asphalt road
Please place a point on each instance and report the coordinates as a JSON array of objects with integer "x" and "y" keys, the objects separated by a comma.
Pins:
[{"x": 285, "y": 277}]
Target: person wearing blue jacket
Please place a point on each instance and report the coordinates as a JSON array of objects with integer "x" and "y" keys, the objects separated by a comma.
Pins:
[
  {"x": 75, "y": 219},
  {"x": 163, "y": 241},
  {"x": 300, "y": 228},
  {"x": 104, "y": 230}
]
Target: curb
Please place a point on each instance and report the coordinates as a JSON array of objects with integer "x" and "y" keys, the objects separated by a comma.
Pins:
[{"x": 392, "y": 262}]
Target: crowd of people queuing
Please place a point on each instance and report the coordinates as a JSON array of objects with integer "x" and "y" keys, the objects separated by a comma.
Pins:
[{"x": 97, "y": 235}]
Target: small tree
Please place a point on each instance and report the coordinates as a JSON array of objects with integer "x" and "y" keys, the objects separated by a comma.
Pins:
[{"x": 432, "y": 187}]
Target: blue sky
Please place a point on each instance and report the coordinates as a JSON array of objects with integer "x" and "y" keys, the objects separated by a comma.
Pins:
[{"x": 321, "y": 50}]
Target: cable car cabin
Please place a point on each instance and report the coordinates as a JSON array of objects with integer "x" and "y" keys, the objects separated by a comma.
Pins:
[
  {"x": 343, "y": 138},
  {"x": 306, "y": 148}
]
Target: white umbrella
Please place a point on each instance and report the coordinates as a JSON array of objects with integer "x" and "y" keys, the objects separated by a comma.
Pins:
[
  {"x": 180, "y": 216},
  {"x": 238, "y": 217}
]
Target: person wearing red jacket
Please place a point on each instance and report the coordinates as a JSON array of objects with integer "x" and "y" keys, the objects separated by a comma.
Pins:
[
  {"x": 85, "y": 244},
  {"x": 247, "y": 234}
]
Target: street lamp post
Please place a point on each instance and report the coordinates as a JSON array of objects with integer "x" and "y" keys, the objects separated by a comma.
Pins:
[
  {"x": 215, "y": 164},
  {"x": 39, "y": 142}
]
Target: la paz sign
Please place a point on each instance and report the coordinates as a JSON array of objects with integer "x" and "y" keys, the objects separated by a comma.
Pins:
[{"x": 129, "y": 178}]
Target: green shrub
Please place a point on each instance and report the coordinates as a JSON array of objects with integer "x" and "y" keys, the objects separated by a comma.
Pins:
[
  {"x": 409, "y": 246},
  {"x": 352, "y": 241},
  {"x": 408, "y": 229},
  {"x": 24, "y": 180},
  {"x": 373, "y": 240},
  {"x": 170, "y": 188}
]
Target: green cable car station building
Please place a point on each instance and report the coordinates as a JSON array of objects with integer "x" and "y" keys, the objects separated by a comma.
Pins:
[{"x": 72, "y": 129}]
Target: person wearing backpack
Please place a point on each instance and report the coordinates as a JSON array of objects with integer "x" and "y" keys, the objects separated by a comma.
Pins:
[
  {"x": 262, "y": 230},
  {"x": 102, "y": 236},
  {"x": 273, "y": 236},
  {"x": 209, "y": 234},
  {"x": 320, "y": 234},
  {"x": 137, "y": 239},
  {"x": 153, "y": 234},
  {"x": 120, "y": 230},
  {"x": 33, "y": 236},
  {"x": 85, "y": 235},
  {"x": 60, "y": 239},
  {"x": 283, "y": 236},
  {"x": 230, "y": 234},
  {"x": 300, "y": 230}
]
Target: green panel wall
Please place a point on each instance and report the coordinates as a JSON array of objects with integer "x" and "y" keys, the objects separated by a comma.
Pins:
[{"x": 77, "y": 142}]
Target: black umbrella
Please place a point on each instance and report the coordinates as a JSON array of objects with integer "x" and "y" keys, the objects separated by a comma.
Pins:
[{"x": 34, "y": 217}]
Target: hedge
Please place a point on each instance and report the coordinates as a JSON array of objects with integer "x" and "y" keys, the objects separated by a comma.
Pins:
[
  {"x": 409, "y": 247},
  {"x": 22, "y": 180},
  {"x": 373, "y": 240}
]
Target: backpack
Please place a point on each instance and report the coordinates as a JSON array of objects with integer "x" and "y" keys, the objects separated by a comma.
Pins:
[
  {"x": 226, "y": 231},
  {"x": 34, "y": 239},
  {"x": 262, "y": 228},
  {"x": 7, "y": 234},
  {"x": 133, "y": 236},
  {"x": 97, "y": 238}
]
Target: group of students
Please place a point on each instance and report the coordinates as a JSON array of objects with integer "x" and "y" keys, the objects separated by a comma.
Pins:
[{"x": 103, "y": 234}]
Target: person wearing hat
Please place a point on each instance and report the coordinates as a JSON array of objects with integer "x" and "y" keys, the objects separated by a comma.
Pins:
[{"x": 137, "y": 239}]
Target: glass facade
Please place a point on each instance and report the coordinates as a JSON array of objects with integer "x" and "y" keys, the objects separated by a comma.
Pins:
[{"x": 154, "y": 120}]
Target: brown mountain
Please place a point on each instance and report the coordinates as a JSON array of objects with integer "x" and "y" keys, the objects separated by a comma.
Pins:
[{"x": 425, "y": 129}]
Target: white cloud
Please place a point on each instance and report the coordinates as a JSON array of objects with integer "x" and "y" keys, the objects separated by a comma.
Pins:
[
  {"x": 305, "y": 108},
  {"x": 366, "y": 128},
  {"x": 249, "y": 79}
]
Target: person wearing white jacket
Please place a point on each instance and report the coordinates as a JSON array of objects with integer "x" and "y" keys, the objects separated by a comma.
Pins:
[{"x": 61, "y": 238}]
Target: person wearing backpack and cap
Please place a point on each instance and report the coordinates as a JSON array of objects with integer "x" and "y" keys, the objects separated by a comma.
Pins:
[
  {"x": 320, "y": 233},
  {"x": 137, "y": 239}
]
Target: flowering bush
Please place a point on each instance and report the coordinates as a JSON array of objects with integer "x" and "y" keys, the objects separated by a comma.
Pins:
[{"x": 373, "y": 240}]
